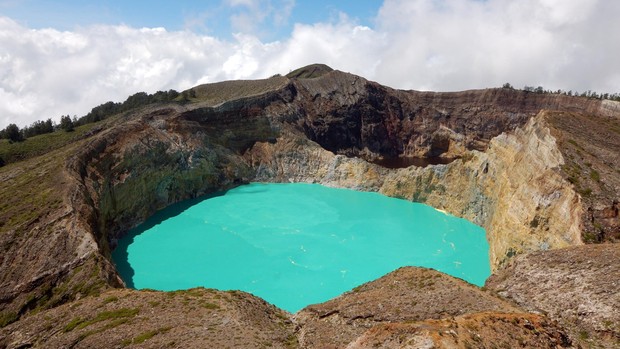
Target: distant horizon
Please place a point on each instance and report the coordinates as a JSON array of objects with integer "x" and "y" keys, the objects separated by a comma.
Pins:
[{"x": 66, "y": 57}]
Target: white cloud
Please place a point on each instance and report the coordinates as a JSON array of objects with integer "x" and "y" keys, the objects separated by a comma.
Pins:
[
  {"x": 282, "y": 12},
  {"x": 460, "y": 44},
  {"x": 343, "y": 45},
  {"x": 48, "y": 73},
  {"x": 259, "y": 17},
  {"x": 414, "y": 44},
  {"x": 249, "y": 3}
]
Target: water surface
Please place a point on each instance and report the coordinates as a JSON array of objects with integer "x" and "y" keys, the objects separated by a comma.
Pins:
[{"x": 296, "y": 244}]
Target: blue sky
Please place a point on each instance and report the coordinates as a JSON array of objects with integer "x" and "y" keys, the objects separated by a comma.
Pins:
[
  {"x": 65, "y": 57},
  {"x": 209, "y": 17}
]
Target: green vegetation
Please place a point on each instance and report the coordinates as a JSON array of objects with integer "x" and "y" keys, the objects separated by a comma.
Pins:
[
  {"x": 357, "y": 288},
  {"x": 101, "y": 112},
  {"x": 140, "y": 99},
  {"x": 291, "y": 341},
  {"x": 12, "y": 133},
  {"x": 110, "y": 299},
  {"x": 585, "y": 192},
  {"x": 210, "y": 306},
  {"x": 573, "y": 142},
  {"x": 585, "y": 94},
  {"x": 79, "y": 323},
  {"x": 221, "y": 92},
  {"x": 7, "y": 318},
  {"x": 40, "y": 144},
  {"x": 589, "y": 237},
  {"x": 595, "y": 175},
  {"x": 145, "y": 336},
  {"x": 111, "y": 325},
  {"x": 38, "y": 128},
  {"x": 66, "y": 123},
  {"x": 309, "y": 72},
  {"x": 29, "y": 191},
  {"x": 73, "y": 324}
]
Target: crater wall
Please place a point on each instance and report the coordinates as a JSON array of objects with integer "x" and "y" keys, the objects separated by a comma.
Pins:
[{"x": 508, "y": 177}]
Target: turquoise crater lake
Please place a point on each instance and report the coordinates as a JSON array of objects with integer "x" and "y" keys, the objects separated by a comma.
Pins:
[{"x": 296, "y": 244}]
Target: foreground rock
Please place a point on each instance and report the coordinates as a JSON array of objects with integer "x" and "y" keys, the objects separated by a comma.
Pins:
[
  {"x": 197, "y": 318},
  {"x": 482, "y": 330},
  {"x": 578, "y": 286},
  {"x": 410, "y": 307},
  {"x": 392, "y": 310}
]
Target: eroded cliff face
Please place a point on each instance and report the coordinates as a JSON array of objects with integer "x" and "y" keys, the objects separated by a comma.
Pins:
[
  {"x": 49, "y": 254},
  {"x": 533, "y": 207},
  {"x": 166, "y": 155},
  {"x": 514, "y": 189}
]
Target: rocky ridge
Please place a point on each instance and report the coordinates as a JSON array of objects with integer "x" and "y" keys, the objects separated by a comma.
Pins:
[{"x": 509, "y": 175}]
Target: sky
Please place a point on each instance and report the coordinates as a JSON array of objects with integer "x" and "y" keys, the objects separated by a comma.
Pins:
[{"x": 66, "y": 56}]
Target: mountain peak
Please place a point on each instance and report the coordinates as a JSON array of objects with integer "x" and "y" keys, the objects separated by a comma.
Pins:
[{"x": 310, "y": 71}]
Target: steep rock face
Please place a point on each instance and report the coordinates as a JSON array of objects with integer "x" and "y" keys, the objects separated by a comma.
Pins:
[
  {"x": 535, "y": 208},
  {"x": 349, "y": 115},
  {"x": 49, "y": 254},
  {"x": 165, "y": 156},
  {"x": 577, "y": 286},
  {"x": 514, "y": 189},
  {"x": 591, "y": 148}
]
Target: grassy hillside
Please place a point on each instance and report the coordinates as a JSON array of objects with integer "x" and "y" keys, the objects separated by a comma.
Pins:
[
  {"x": 41, "y": 144},
  {"x": 220, "y": 92},
  {"x": 32, "y": 179},
  {"x": 309, "y": 72}
]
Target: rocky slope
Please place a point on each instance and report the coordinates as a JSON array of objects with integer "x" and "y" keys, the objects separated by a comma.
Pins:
[
  {"x": 577, "y": 286},
  {"x": 404, "y": 296},
  {"x": 511, "y": 159},
  {"x": 197, "y": 318},
  {"x": 590, "y": 148},
  {"x": 410, "y": 306}
]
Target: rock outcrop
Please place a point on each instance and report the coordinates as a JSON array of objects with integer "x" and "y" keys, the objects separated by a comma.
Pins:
[
  {"x": 196, "y": 318},
  {"x": 577, "y": 286},
  {"x": 484, "y": 330},
  {"x": 404, "y": 296}
]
